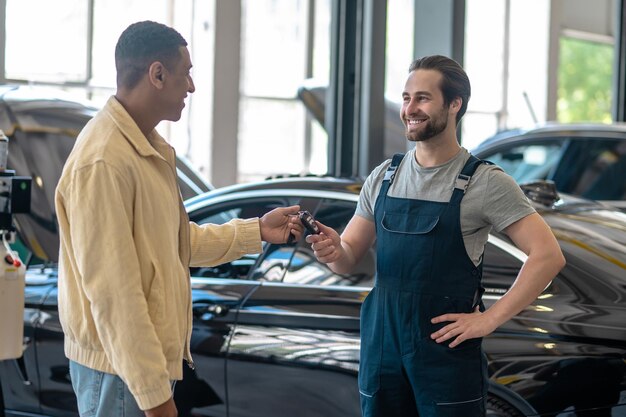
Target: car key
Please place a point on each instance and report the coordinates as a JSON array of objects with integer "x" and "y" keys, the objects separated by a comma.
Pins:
[{"x": 308, "y": 222}]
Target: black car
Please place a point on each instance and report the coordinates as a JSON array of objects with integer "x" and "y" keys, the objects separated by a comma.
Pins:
[
  {"x": 587, "y": 160},
  {"x": 277, "y": 334}
]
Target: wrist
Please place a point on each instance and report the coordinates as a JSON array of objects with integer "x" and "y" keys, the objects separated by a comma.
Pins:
[{"x": 494, "y": 320}]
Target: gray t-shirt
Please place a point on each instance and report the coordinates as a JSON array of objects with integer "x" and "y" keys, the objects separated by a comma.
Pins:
[{"x": 492, "y": 198}]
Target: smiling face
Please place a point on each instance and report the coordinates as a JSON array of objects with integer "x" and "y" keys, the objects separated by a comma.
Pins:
[
  {"x": 424, "y": 113},
  {"x": 177, "y": 84}
]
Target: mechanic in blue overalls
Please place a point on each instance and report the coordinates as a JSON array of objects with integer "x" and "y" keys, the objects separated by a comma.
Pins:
[{"x": 430, "y": 212}]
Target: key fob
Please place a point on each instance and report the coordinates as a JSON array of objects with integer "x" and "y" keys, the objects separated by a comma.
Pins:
[{"x": 308, "y": 222}]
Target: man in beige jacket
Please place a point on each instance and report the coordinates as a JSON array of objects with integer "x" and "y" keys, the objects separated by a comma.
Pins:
[{"x": 126, "y": 240}]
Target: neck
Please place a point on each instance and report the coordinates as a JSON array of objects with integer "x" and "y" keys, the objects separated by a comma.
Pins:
[
  {"x": 437, "y": 150},
  {"x": 138, "y": 107}
]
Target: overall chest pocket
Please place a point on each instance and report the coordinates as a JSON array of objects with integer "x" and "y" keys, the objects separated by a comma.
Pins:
[
  {"x": 408, "y": 224},
  {"x": 406, "y": 244}
]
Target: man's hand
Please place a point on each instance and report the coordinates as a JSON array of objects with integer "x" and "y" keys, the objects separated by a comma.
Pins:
[
  {"x": 278, "y": 224},
  {"x": 326, "y": 245},
  {"x": 167, "y": 409},
  {"x": 463, "y": 327}
]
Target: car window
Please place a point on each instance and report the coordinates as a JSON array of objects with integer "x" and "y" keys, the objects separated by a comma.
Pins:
[
  {"x": 223, "y": 213},
  {"x": 593, "y": 168},
  {"x": 528, "y": 162}
]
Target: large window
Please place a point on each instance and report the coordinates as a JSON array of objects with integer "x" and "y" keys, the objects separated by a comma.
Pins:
[
  {"x": 284, "y": 42},
  {"x": 111, "y": 17},
  {"x": 36, "y": 33},
  {"x": 507, "y": 63},
  {"x": 531, "y": 62},
  {"x": 585, "y": 74},
  {"x": 527, "y": 61}
]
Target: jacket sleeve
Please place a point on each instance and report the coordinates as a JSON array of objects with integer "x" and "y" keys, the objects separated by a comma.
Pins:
[
  {"x": 99, "y": 206},
  {"x": 213, "y": 244}
]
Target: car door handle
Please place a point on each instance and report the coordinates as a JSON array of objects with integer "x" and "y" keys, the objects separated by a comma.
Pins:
[{"x": 201, "y": 310}]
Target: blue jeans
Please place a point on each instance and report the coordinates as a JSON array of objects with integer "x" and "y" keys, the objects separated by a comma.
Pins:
[{"x": 102, "y": 395}]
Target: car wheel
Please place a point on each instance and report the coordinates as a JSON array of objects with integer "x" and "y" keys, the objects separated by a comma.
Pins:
[{"x": 497, "y": 407}]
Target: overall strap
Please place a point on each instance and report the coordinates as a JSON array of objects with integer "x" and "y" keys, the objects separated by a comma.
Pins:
[
  {"x": 390, "y": 174},
  {"x": 463, "y": 180}
]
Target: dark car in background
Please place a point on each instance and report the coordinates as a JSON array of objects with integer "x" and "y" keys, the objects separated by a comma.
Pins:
[
  {"x": 587, "y": 160},
  {"x": 42, "y": 125},
  {"x": 582, "y": 159}
]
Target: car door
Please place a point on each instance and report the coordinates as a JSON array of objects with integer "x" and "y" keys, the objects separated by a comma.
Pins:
[
  {"x": 295, "y": 349},
  {"x": 563, "y": 352},
  {"x": 218, "y": 292},
  {"x": 296, "y": 341},
  {"x": 216, "y": 303}
]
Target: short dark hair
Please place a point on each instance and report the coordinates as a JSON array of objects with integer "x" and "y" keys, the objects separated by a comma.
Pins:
[
  {"x": 140, "y": 45},
  {"x": 454, "y": 82}
]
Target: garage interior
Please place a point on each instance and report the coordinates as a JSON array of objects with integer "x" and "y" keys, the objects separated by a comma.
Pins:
[
  {"x": 308, "y": 93},
  {"x": 247, "y": 99}
]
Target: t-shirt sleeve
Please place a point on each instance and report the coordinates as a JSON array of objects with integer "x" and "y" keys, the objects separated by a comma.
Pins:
[
  {"x": 505, "y": 202},
  {"x": 370, "y": 190}
]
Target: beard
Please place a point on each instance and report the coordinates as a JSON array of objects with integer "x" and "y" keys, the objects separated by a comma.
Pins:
[{"x": 435, "y": 125}]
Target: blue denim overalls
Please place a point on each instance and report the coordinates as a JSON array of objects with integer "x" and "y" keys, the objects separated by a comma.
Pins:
[{"x": 423, "y": 271}]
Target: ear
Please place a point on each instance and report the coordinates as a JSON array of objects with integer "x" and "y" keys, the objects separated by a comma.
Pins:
[
  {"x": 456, "y": 103},
  {"x": 156, "y": 74}
]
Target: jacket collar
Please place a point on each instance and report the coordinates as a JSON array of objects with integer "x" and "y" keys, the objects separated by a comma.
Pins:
[{"x": 129, "y": 129}]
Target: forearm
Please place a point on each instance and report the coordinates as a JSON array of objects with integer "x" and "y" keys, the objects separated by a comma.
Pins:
[{"x": 213, "y": 244}]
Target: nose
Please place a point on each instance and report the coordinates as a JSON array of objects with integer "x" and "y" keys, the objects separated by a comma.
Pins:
[
  {"x": 191, "y": 88},
  {"x": 411, "y": 106}
]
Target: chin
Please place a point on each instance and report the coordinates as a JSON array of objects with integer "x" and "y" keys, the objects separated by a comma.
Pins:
[
  {"x": 174, "y": 117},
  {"x": 413, "y": 137}
]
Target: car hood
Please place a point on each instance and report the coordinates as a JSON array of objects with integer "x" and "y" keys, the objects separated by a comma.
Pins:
[
  {"x": 42, "y": 125},
  {"x": 41, "y": 128},
  {"x": 312, "y": 94},
  {"x": 598, "y": 229}
]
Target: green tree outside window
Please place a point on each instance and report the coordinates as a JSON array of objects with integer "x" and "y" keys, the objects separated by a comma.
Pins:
[{"x": 585, "y": 74}]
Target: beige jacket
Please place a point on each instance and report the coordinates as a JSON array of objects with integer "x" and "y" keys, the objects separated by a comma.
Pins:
[{"x": 126, "y": 246}]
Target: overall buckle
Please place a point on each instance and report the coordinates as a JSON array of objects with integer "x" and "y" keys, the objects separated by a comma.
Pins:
[
  {"x": 462, "y": 182},
  {"x": 390, "y": 173}
]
